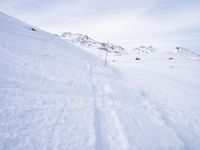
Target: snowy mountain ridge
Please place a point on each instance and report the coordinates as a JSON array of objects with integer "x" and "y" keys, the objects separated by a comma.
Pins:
[
  {"x": 186, "y": 52},
  {"x": 95, "y": 47},
  {"x": 87, "y": 42}
]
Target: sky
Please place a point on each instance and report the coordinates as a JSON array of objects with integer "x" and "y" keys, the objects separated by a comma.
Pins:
[{"x": 161, "y": 23}]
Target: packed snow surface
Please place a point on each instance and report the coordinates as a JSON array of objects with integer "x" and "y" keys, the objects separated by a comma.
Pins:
[{"x": 54, "y": 95}]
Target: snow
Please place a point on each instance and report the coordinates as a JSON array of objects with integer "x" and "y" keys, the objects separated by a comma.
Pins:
[
  {"x": 171, "y": 87},
  {"x": 54, "y": 95}
]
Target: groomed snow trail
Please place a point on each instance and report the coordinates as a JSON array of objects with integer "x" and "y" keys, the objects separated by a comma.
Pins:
[{"x": 56, "y": 96}]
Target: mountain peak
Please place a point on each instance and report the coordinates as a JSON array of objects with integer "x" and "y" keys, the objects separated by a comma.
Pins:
[
  {"x": 144, "y": 49},
  {"x": 86, "y": 42}
]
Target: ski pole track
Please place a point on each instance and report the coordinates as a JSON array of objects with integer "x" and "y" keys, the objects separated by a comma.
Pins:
[{"x": 51, "y": 143}]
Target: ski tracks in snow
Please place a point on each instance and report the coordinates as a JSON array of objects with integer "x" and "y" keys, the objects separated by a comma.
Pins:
[
  {"x": 108, "y": 128},
  {"x": 124, "y": 119}
]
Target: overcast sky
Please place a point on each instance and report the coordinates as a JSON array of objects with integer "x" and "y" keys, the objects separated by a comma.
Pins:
[{"x": 127, "y": 22}]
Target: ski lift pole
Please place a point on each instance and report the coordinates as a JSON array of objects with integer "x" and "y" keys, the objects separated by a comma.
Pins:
[{"x": 106, "y": 58}]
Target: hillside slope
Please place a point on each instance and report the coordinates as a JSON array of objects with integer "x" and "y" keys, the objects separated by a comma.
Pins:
[{"x": 54, "y": 95}]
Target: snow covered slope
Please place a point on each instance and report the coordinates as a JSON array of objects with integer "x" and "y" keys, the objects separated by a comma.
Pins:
[
  {"x": 54, "y": 95},
  {"x": 93, "y": 46},
  {"x": 171, "y": 83}
]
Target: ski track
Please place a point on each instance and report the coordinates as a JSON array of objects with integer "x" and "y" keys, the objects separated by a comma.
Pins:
[
  {"x": 53, "y": 136},
  {"x": 115, "y": 134}
]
